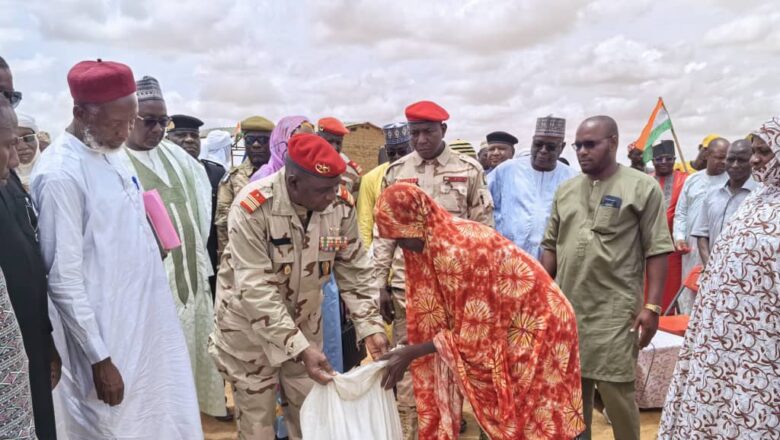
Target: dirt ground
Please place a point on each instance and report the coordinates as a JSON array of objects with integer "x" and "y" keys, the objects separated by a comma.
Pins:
[{"x": 216, "y": 430}]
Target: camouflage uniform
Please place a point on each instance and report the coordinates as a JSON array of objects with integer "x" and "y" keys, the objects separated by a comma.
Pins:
[
  {"x": 457, "y": 182},
  {"x": 268, "y": 297},
  {"x": 236, "y": 179}
]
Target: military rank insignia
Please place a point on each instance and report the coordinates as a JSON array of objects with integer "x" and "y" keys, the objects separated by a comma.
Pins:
[
  {"x": 333, "y": 243},
  {"x": 345, "y": 195},
  {"x": 253, "y": 201},
  {"x": 357, "y": 167}
]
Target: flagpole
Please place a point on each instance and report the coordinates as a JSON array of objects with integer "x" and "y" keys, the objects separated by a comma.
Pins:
[{"x": 674, "y": 135}]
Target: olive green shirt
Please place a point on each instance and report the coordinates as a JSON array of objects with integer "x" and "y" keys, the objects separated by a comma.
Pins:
[{"x": 602, "y": 232}]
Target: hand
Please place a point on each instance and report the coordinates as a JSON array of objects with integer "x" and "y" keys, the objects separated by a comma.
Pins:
[
  {"x": 56, "y": 367},
  {"x": 376, "y": 345},
  {"x": 399, "y": 359},
  {"x": 647, "y": 322},
  {"x": 682, "y": 246},
  {"x": 317, "y": 366},
  {"x": 108, "y": 382},
  {"x": 386, "y": 308}
]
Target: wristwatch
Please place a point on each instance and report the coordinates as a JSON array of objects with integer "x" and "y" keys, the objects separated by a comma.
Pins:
[{"x": 654, "y": 308}]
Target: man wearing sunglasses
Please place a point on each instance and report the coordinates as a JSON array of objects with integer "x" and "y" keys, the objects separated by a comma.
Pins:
[
  {"x": 671, "y": 182},
  {"x": 184, "y": 187},
  {"x": 606, "y": 229},
  {"x": 28, "y": 150},
  {"x": 256, "y": 133},
  {"x": 523, "y": 188},
  {"x": 14, "y": 97}
]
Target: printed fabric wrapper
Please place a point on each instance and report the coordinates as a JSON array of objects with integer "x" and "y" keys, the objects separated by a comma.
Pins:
[{"x": 160, "y": 221}]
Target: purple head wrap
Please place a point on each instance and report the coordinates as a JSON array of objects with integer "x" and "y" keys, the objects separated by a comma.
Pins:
[{"x": 279, "y": 137}]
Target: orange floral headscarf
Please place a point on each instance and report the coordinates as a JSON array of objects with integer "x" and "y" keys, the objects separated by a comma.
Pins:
[{"x": 505, "y": 335}]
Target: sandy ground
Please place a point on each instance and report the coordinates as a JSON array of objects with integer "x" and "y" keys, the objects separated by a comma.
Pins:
[{"x": 216, "y": 430}]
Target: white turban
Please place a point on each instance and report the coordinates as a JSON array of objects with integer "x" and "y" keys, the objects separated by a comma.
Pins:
[
  {"x": 27, "y": 121},
  {"x": 216, "y": 148}
]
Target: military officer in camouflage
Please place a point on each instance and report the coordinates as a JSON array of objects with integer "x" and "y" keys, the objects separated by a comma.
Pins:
[
  {"x": 333, "y": 131},
  {"x": 288, "y": 231},
  {"x": 457, "y": 182},
  {"x": 256, "y": 132}
]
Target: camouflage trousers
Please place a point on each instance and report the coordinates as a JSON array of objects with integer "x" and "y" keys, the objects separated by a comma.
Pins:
[
  {"x": 407, "y": 407},
  {"x": 254, "y": 393}
]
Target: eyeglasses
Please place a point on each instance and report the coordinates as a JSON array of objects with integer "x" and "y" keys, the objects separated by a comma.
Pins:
[
  {"x": 549, "y": 146},
  {"x": 29, "y": 138},
  {"x": 14, "y": 97},
  {"x": 589, "y": 145},
  {"x": 150, "y": 123},
  {"x": 260, "y": 139},
  {"x": 664, "y": 159},
  {"x": 398, "y": 152}
]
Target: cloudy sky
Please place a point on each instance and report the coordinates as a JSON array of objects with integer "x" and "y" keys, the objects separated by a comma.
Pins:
[{"x": 494, "y": 64}]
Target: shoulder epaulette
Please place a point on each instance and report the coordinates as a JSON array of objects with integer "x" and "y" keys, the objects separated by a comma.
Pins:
[
  {"x": 346, "y": 196},
  {"x": 469, "y": 160},
  {"x": 253, "y": 200},
  {"x": 229, "y": 173},
  {"x": 357, "y": 167}
]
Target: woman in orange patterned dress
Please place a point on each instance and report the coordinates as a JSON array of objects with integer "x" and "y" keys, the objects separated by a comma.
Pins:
[{"x": 485, "y": 321}]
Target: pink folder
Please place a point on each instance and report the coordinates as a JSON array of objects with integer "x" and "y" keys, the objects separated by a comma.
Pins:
[{"x": 160, "y": 221}]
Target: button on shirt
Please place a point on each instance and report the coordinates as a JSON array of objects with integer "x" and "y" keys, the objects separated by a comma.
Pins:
[
  {"x": 720, "y": 206},
  {"x": 602, "y": 233}
]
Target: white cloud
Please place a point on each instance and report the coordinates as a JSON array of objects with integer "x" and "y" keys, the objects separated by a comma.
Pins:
[
  {"x": 495, "y": 65},
  {"x": 759, "y": 31},
  {"x": 26, "y": 66}
]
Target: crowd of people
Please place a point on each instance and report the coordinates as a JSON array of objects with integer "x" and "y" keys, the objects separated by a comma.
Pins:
[{"x": 504, "y": 279}]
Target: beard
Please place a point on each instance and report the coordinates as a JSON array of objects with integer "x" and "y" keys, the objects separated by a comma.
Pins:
[{"x": 93, "y": 144}]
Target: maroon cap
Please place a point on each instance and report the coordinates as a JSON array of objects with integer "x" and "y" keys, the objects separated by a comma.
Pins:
[
  {"x": 426, "y": 111},
  {"x": 315, "y": 155},
  {"x": 96, "y": 82}
]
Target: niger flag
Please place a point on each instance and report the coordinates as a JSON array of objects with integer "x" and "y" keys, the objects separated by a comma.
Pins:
[{"x": 658, "y": 123}]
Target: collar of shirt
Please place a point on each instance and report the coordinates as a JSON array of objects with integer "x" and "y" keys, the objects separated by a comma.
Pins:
[
  {"x": 750, "y": 185},
  {"x": 442, "y": 158}
]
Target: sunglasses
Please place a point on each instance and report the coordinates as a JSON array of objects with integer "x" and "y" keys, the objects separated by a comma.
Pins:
[
  {"x": 664, "y": 159},
  {"x": 150, "y": 123},
  {"x": 260, "y": 139},
  {"x": 399, "y": 152},
  {"x": 13, "y": 97},
  {"x": 549, "y": 146},
  {"x": 589, "y": 145},
  {"x": 29, "y": 138}
]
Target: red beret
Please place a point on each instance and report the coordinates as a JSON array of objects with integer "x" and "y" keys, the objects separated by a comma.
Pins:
[
  {"x": 333, "y": 126},
  {"x": 315, "y": 155},
  {"x": 426, "y": 111},
  {"x": 96, "y": 82}
]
